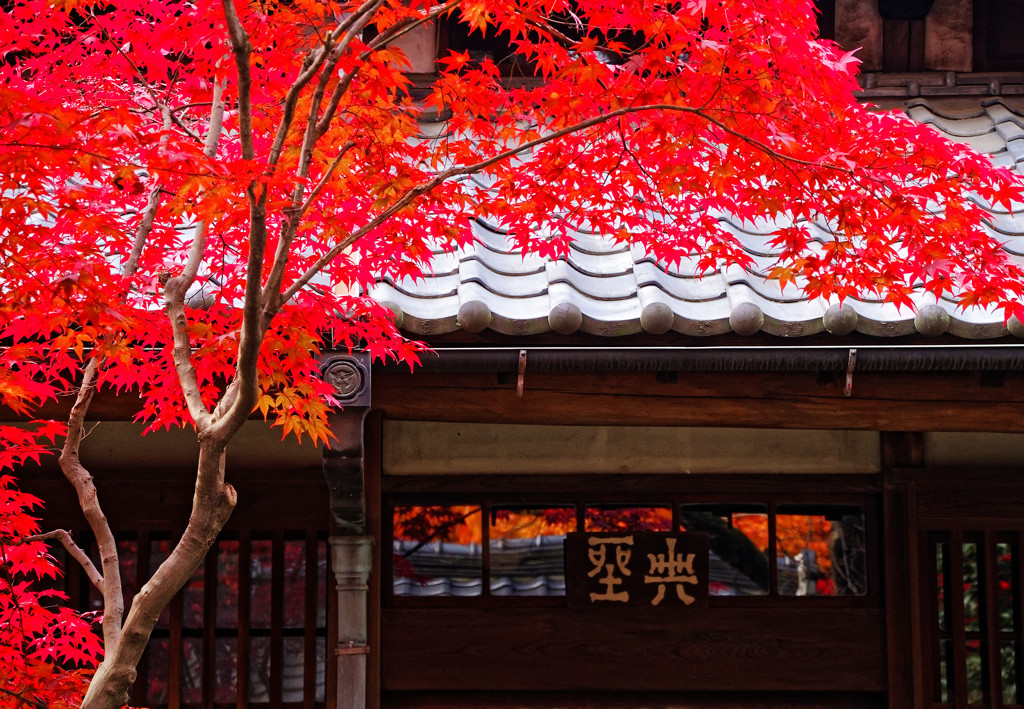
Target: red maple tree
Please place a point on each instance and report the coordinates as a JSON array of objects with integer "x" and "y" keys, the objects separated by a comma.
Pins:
[
  {"x": 47, "y": 651},
  {"x": 194, "y": 196}
]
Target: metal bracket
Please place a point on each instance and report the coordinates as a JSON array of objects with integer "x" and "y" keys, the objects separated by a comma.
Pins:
[
  {"x": 352, "y": 650},
  {"x": 848, "y": 390},
  {"x": 522, "y": 373}
]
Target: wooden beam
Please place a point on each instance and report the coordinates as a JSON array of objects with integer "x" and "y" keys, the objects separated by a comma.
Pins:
[
  {"x": 501, "y": 649},
  {"x": 885, "y": 402}
]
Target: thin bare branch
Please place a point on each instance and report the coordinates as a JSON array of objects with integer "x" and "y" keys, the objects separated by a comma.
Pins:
[
  {"x": 81, "y": 480},
  {"x": 175, "y": 289},
  {"x": 215, "y": 128},
  {"x": 76, "y": 552},
  {"x": 325, "y": 178},
  {"x": 143, "y": 231}
]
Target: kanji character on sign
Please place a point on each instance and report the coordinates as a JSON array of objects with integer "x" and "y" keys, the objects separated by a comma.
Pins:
[
  {"x": 597, "y": 552},
  {"x": 667, "y": 569}
]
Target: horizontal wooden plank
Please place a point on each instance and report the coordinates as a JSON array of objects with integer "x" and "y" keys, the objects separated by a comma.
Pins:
[
  {"x": 932, "y": 402},
  {"x": 718, "y": 649},
  {"x": 631, "y": 700},
  {"x": 955, "y": 499},
  {"x": 788, "y": 488},
  {"x": 161, "y": 499},
  {"x": 901, "y": 401}
]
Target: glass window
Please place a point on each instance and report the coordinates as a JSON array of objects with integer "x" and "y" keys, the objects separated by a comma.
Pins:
[
  {"x": 526, "y": 549},
  {"x": 437, "y": 551},
  {"x": 738, "y": 536},
  {"x": 628, "y": 518},
  {"x": 820, "y": 550}
]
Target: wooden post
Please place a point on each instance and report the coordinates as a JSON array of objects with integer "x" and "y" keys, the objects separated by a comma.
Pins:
[
  {"x": 352, "y": 562},
  {"x": 901, "y": 450},
  {"x": 352, "y": 549}
]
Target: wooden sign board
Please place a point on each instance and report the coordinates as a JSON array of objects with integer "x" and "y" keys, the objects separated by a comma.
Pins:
[{"x": 636, "y": 569}]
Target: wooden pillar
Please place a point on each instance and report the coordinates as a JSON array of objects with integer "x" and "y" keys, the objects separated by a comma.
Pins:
[
  {"x": 351, "y": 548},
  {"x": 901, "y": 450},
  {"x": 352, "y": 561}
]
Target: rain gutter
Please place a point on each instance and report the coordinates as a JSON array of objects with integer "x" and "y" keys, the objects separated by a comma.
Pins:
[{"x": 871, "y": 358}]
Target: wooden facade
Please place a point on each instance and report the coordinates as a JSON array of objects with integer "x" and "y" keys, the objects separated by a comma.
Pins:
[
  {"x": 901, "y": 447},
  {"x": 874, "y": 650}
]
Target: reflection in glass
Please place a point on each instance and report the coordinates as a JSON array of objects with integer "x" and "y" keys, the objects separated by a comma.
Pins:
[
  {"x": 738, "y": 535},
  {"x": 820, "y": 550},
  {"x": 260, "y": 574},
  {"x": 940, "y": 581},
  {"x": 975, "y": 693},
  {"x": 437, "y": 551},
  {"x": 192, "y": 608},
  {"x": 321, "y": 585},
  {"x": 192, "y": 670},
  {"x": 526, "y": 550},
  {"x": 628, "y": 518},
  {"x": 292, "y": 670},
  {"x": 321, "y": 668},
  {"x": 972, "y": 602},
  {"x": 945, "y": 661},
  {"x": 1008, "y": 652},
  {"x": 294, "y": 583},
  {"x": 159, "y": 549},
  {"x": 259, "y": 669},
  {"x": 225, "y": 684},
  {"x": 156, "y": 678},
  {"x": 227, "y": 584},
  {"x": 1004, "y": 586}
]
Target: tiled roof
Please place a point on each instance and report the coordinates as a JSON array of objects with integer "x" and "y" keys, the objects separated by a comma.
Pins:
[{"x": 608, "y": 289}]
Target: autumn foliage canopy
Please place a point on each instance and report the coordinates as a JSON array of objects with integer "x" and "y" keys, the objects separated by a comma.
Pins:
[{"x": 193, "y": 196}]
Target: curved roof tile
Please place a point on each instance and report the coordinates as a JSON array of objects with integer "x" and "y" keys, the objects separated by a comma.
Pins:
[{"x": 610, "y": 289}]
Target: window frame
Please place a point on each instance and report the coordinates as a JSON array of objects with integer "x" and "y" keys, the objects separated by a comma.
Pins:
[{"x": 635, "y": 490}]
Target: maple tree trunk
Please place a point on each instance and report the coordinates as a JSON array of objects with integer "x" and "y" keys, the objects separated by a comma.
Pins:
[{"x": 211, "y": 506}]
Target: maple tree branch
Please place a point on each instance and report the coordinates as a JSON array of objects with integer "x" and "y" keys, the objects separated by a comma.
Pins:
[
  {"x": 242, "y": 50},
  {"x": 82, "y": 481},
  {"x": 176, "y": 289},
  {"x": 213, "y": 131},
  {"x": 20, "y": 696},
  {"x": 145, "y": 227},
  {"x": 412, "y": 193},
  {"x": 325, "y": 178},
  {"x": 323, "y": 59},
  {"x": 76, "y": 552},
  {"x": 398, "y": 30},
  {"x": 381, "y": 40}
]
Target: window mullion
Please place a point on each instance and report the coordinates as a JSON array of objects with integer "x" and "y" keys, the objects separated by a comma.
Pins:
[
  {"x": 209, "y": 626},
  {"x": 309, "y": 622},
  {"x": 244, "y": 602},
  {"x": 139, "y": 697},
  {"x": 485, "y": 548},
  {"x": 958, "y": 656},
  {"x": 773, "y": 552},
  {"x": 174, "y": 651},
  {"x": 276, "y": 686},
  {"x": 992, "y": 629}
]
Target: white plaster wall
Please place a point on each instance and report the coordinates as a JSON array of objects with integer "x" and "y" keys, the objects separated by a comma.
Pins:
[
  {"x": 977, "y": 450},
  {"x": 116, "y": 445},
  {"x": 425, "y": 448}
]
